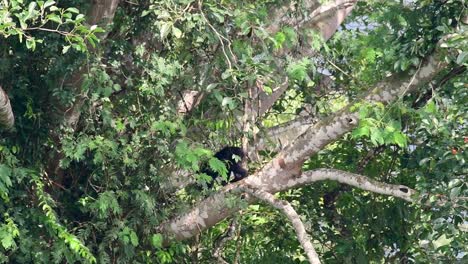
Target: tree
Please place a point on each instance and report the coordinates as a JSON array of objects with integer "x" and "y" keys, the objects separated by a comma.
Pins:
[{"x": 109, "y": 117}]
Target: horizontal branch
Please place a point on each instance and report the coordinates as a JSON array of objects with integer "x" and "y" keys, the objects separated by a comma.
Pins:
[{"x": 355, "y": 180}]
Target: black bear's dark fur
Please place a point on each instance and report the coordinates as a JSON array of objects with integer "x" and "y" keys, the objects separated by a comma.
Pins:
[{"x": 233, "y": 166}]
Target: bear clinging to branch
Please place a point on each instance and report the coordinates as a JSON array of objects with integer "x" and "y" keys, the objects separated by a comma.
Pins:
[{"x": 233, "y": 158}]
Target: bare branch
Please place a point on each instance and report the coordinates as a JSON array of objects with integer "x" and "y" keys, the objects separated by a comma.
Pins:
[
  {"x": 214, "y": 208},
  {"x": 222, "y": 240},
  {"x": 292, "y": 215},
  {"x": 189, "y": 100},
  {"x": 356, "y": 180}
]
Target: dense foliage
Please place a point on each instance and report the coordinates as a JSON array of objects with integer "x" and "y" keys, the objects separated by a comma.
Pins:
[{"x": 93, "y": 191}]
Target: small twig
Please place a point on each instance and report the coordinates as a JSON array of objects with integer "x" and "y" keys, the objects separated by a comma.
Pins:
[
  {"x": 223, "y": 239},
  {"x": 369, "y": 156},
  {"x": 65, "y": 33},
  {"x": 338, "y": 68},
  {"x": 220, "y": 37}
]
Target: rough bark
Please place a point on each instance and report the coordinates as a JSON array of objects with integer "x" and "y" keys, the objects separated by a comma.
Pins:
[
  {"x": 214, "y": 209},
  {"x": 7, "y": 119}
]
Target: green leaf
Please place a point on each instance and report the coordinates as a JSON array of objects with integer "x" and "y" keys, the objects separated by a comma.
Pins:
[
  {"x": 79, "y": 17},
  {"x": 55, "y": 18},
  {"x": 363, "y": 111},
  {"x": 454, "y": 183},
  {"x": 267, "y": 89},
  {"x": 31, "y": 8},
  {"x": 226, "y": 74},
  {"x": 211, "y": 86},
  {"x": 400, "y": 139},
  {"x": 146, "y": 12},
  {"x": 49, "y": 3},
  {"x": 65, "y": 49},
  {"x": 461, "y": 59},
  {"x": 7, "y": 240},
  {"x": 23, "y": 24},
  {"x": 376, "y": 136},
  {"x": 430, "y": 107},
  {"x": 156, "y": 240},
  {"x": 218, "y": 166},
  {"x": 280, "y": 38},
  {"x": 73, "y": 10},
  {"x": 455, "y": 192},
  {"x": 31, "y": 43},
  {"x": 361, "y": 132},
  {"x": 164, "y": 29},
  {"x": 134, "y": 238},
  {"x": 442, "y": 241},
  {"x": 176, "y": 32}
]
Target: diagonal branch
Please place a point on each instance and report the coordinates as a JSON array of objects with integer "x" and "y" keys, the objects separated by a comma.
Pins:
[
  {"x": 329, "y": 130},
  {"x": 292, "y": 215},
  {"x": 275, "y": 138}
]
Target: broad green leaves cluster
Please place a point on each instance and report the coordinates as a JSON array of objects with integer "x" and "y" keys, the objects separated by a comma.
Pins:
[
  {"x": 376, "y": 124},
  {"x": 21, "y": 18}
]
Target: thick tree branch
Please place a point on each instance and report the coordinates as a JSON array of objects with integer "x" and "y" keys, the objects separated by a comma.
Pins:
[
  {"x": 275, "y": 138},
  {"x": 7, "y": 119},
  {"x": 214, "y": 208},
  {"x": 292, "y": 215},
  {"x": 101, "y": 13},
  {"x": 318, "y": 136}
]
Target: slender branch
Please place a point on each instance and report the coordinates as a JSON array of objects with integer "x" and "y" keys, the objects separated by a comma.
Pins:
[
  {"x": 223, "y": 239},
  {"x": 292, "y": 215},
  {"x": 220, "y": 37},
  {"x": 64, "y": 33},
  {"x": 356, "y": 180}
]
